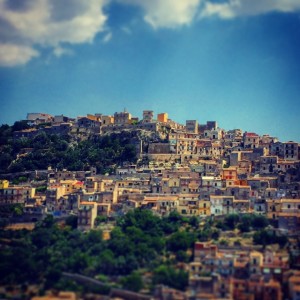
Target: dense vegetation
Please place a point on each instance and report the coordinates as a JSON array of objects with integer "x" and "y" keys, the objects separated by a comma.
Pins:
[
  {"x": 61, "y": 152},
  {"x": 140, "y": 243}
]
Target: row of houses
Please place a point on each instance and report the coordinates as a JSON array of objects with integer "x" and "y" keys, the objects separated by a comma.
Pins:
[{"x": 242, "y": 273}]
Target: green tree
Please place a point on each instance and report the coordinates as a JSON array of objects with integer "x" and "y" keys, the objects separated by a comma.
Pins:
[
  {"x": 106, "y": 263},
  {"x": 245, "y": 223},
  {"x": 180, "y": 241},
  {"x": 182, "y": 256},
  {"x": 100, "y": 219},
  {"x": 132, "y": 282},
  {"x": 20, "y": 125},
  {"x": 18, "y": 211},
  {"x": 231, "y": 221},
  {"x": 194, "y": 221},
  {"x": 72, "y": 221},
  {"x": 265, "y": 237},
  {"x": 259, "y": 222},
  {"x": 169, "y": 276}
]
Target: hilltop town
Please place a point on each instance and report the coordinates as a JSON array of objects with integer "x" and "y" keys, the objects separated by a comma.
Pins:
[{"x": 236, "y": 193}]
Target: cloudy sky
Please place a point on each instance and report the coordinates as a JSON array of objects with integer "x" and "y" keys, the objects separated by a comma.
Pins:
[{"x": 234, "y": 61}]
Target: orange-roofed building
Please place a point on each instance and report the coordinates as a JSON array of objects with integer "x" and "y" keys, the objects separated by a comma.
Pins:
[
  {"x": 229, "y": 173},
  {"x": 162, "y": 117},
  {"x": 203, "y": 249}
]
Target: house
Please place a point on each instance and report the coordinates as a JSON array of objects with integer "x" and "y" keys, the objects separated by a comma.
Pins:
[
  {"x": 260, "y": 206},
  {"x": 122, "y": 118},
  {"x": 202, "y": 249},
  {"x": 208, "y": 126},
  {"x": 275, "y": 263},
  {"x": 251, "y": 140},
  {"x": 241, "y": 192},
  {"x": 241, "y": 206},
  {"x": 276, "y": 148},
  {"x": 148, "y": 116},
  {"x": 162, "y": 117},
  {"x": 291, "y": 151},
  {"x": 273, "y": 207},
  {"x": 61, "y": 119},
  {"x": 213, "y": 134},
  {"x": 256, "y": 262},
  {"x": 107, "y": 120},
  {"x": 38, "y": 118},
  {"x": 16, "y": 194},
  {"x": 229, "y": 173},
  {"x": 218, "y": 207},
  {"x": 191, "y": 126},
  {"x": 71, "y": 186},
  {"x": 188, "y": 204},
  {"x": 267, "y": 164},
  {"x": 87, "y": 214},
  {"x": 89, "y": 122},
  {"x": 26, "y": 133}
]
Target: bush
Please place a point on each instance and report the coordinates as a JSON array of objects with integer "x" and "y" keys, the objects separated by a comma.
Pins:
[
  {"x": 259, "y": 222},
  {"x": 265, "y": 237},
  {"x": 132, "y": 282},
  {"x": 169, "y": 276},
  {"x": 182, "y": 256},
  {"x": 72, "y": 221},
  {"x": 41, "y": 189},
  {"x": 223, "y": 242},
  {"x": 231, "y": 221}
]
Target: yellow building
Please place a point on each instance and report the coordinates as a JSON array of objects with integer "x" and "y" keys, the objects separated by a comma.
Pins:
[
  {"x": 4, "y": 184},
  {"x": 16, "y": 194},
  {"x": 71, "y": 186},
  {"x": 163, "y": 117},
  {"x": 107, "y": 120},
  {"x": 204, "y": 207}
]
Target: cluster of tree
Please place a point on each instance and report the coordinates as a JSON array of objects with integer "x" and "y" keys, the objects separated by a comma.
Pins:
[
  {"x": 244, "y": 223},
  {"x": 60, "y": 152},
  {"x": 266, "y": 237},
  {"x": 9, "y": 211},
  {"x": 139, "y": 241},
  {"x": 6, "y": 131}
]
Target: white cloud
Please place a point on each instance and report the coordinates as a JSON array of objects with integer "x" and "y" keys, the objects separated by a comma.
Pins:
[
  {"x": 107, "y": 38},
  {"x": 60, "y": 51},
  {"x": 11, "y": 55},
  {"x": 235, "y": 8},
  {"x": 167, "y": 13},
  {"x": 28, "y": 23}
]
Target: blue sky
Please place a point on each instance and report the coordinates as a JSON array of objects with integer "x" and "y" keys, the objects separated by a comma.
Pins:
[{"x": 233, "y": 61}]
